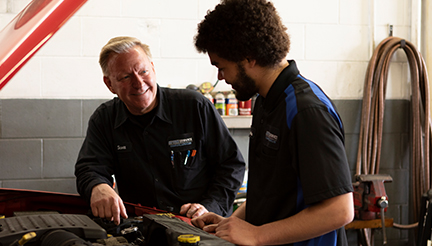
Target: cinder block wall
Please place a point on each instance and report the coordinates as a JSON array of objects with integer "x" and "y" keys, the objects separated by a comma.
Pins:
[
  {"x": 40, "y": 140},
  {"x": 45, "y": 107}
]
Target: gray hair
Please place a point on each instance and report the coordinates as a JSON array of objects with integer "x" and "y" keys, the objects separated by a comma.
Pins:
[{"x": 119, "y": 45}]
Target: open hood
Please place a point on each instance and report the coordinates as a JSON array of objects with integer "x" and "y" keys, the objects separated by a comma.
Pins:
[{"x": 30, "y": 30}]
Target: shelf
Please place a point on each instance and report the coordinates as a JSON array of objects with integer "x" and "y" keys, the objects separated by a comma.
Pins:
[{"x": 238, "y": 122}]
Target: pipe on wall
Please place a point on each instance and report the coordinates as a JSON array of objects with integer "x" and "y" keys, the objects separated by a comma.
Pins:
[{"x": 426, "y": 35}]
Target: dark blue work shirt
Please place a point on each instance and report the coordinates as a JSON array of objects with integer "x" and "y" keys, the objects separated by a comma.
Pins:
[{"x": 184, "y": 154}]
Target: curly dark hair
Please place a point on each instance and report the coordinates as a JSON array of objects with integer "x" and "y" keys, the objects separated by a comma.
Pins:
[{"x": 240, "y": 29}]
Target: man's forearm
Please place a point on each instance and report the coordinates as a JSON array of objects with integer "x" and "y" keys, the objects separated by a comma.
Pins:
[
  {"x": 312, "y": 222},
  {"x": 240, "y": 212}
]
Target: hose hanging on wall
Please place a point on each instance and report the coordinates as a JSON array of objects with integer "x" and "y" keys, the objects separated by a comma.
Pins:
[{"x": 371, "y": 128}]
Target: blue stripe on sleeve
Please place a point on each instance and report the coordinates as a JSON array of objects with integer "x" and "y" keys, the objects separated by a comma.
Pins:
[
  {"x": 291, "y": 103},
  {"x": 324, "y": 99}
]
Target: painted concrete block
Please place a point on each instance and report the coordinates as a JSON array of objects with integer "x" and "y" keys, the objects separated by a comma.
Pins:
[
  {"x": 5, "y": 19},
  {"x": 324, "y": 74},
  {"x": 26, "y": 83},
  {"x": 3, "y": 6},
  {"x": 396, "y": 116},
  {"x": 204, "y": 6},
  {"x": 391, "y": 156},
  {"x": 59, "y": 157},
  {"x": 88, "y": 107},
  {"x": 354, "y": 12},
  {"x": 16, "y": 6},
  {"x": 171, "y": 9},
  {"x": 349, "y": 83},
  {"x": 309, "y": 11},
  {"x": 320, "y": 45},
  {"x": 20, "y": 159},
  {"x": 241, "y": 137},
  {"x": 66, "y": 41},
  {"x": 72, "y": 78},
  {"x": 176, "y": 73},
  {"x": 350, "y": 113},
  {"x": 98, "y": 31},
  {"x": 206, "y": 72},
  {"x": 296, "y": 33},
  {"x": 393, "y": 12},
  {"x": 177, "y": 39},
  {"x": 40, "y": 118},
  {"x": 398, "y": 191},
  {"x": 100, "y": 8}
]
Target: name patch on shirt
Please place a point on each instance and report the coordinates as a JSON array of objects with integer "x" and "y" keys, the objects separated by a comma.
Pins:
[
  {"x": 123, "y": 147},
  {"x": 272, "y": 137},
  {"x": 182, "y": 142}
]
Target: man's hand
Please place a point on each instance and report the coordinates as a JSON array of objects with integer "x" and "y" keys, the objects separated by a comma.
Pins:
[
  {"x": 237, "y": 231},
  {"x": 232, "y": 229},
  {"x": 207, "y": 222},
  {"x": 106, "y": 203},
  {"x": 193, "y": 210}
]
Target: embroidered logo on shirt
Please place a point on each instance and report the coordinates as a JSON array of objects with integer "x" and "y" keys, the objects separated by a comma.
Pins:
[
  {"x": 180, "y": 142},
  {"x": 272, "y": 138}
]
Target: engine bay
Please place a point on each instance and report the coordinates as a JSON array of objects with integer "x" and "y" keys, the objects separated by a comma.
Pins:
[{"x": 36, "y": 218}]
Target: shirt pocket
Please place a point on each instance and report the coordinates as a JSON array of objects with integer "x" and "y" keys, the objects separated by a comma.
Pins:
[
  {"x": 183, "y": 152},
  {"x": 271, "y": 141}
]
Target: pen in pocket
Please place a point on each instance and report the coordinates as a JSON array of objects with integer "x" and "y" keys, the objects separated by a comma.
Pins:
[
  {"x": 187, "y": 156},
  {"x": 172, "y": 158}
]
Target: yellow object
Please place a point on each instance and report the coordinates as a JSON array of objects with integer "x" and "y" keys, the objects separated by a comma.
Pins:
[
  {"x": 188, "y": 238},
  {"x": 206, "y": 87},
  {"x": 27, "y": 237},
  {"x": 166, "y": 214}
]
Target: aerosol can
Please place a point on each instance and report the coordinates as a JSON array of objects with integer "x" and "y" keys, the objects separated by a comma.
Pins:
[
  {"x": 220, "y": 103},
  {"x": 231, "y": 105}
]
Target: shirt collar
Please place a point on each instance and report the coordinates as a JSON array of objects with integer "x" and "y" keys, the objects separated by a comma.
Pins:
[
  {"x": 162, "y": 109},
  {"x": 278, "y": 87}
]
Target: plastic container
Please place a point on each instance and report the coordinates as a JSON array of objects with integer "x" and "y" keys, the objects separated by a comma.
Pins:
[
  {"x": 220, "y": 103},
  {"x": 231, "y": 104},
  {"x": 188, "y": 240}
]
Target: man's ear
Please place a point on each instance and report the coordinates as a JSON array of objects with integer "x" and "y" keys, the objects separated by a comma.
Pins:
[
  {"x": 250, "y": 62},
  {"x": 107, "y": 82}
]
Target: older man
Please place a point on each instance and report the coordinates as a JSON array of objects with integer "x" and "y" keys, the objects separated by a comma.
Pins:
[{"x": 168, "y": 148}]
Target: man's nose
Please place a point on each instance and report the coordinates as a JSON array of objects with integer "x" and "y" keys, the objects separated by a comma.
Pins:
[
  {"x": 137, "y": 81},
  {"x": 221, "y": 75}
]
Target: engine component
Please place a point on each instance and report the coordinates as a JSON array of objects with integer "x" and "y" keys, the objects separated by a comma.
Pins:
[
  {"x": 163, "y": 230},
  {"x": 80, "y": 225},
  {"x": 62, "y": 238}
]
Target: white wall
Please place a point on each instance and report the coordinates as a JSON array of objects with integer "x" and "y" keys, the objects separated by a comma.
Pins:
[{"x": 331, "y": 42}]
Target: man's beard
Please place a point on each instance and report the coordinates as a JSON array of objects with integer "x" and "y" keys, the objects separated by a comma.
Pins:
[{"x": 245, "y": 86}]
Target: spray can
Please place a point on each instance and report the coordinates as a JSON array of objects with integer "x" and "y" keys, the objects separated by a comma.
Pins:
[
  {"x": 231, "y": 105},
  {"x": 220, "y": 103},
  {"x": 245, "y": 107}
]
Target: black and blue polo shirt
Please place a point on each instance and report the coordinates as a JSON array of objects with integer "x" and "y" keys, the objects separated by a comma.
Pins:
[{"x": 296, "y": 154}]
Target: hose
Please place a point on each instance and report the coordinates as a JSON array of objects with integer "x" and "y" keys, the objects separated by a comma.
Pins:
[{"x": 371, "y": 126}]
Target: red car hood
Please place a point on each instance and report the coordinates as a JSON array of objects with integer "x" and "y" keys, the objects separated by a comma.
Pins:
[
  {"x": 18, "y": 200},
  {"x": 30, "y": 30}
]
